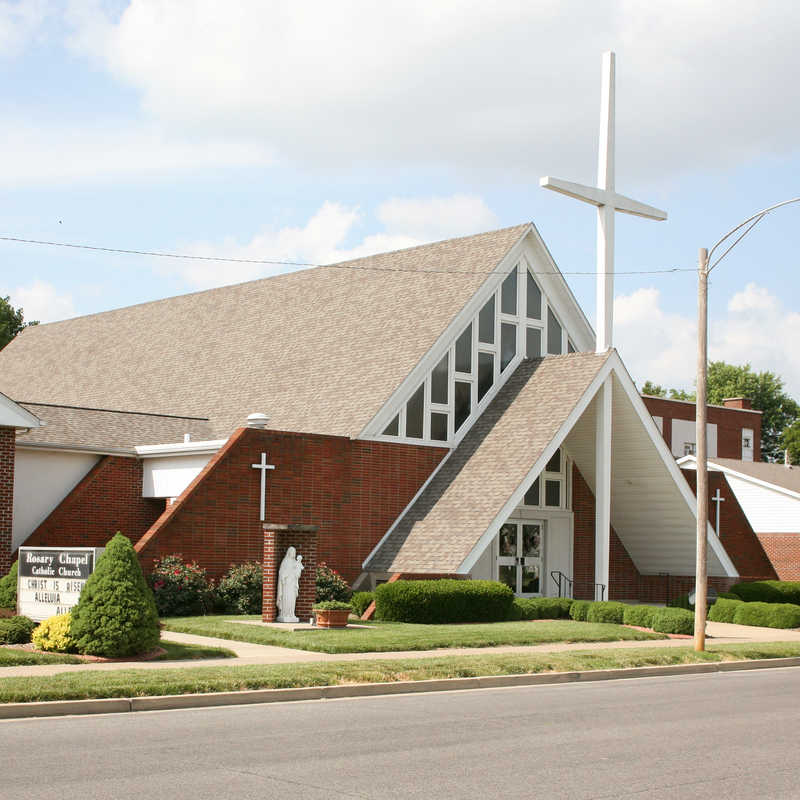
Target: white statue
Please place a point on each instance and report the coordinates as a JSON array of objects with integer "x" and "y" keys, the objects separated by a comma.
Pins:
[{"x": 289, "y": 585}]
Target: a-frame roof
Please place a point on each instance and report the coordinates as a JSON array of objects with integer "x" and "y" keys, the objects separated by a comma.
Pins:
[{"x": 318, "y": 351}]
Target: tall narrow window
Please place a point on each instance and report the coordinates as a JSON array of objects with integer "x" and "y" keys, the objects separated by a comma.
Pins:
[
  {"x": 415, "y": 409},
  {"x": 508, "y": 294},
  {"x": 532, "y": 495},
  {"x": 439, "y": 381},
  {"x": 554, "y": 464},
  {"x": 533, "y": 343},
  {"x": 552, "y": 493},
  {"x": 393, "y": 428},
  {"x": 570, "y": 347},
  {"x": 464, "y": 351},
  {"x": 508, "y": 344},
  {"x": 553, "y": 333},
  {"x": 438, "y": 426},
  {"x": 486, "y": 322},
  {"x": 534, "y": 295},
  {"x": 462, "y": 402},
  {"x": 485, "y": 373}
]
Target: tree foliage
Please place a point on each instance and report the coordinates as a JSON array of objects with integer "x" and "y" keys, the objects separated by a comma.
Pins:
[
  {"x": 791, "y": 441},
  {"x": 11, "y": 321}
]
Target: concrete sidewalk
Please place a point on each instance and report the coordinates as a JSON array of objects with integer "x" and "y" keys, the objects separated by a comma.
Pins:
[{"x": 250, "y": 654}]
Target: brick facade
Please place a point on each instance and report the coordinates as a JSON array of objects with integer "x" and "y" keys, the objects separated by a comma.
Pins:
[
  {"x": 353, "y": 490},
  {"x": 783, "y": 551},
  {"x": 729, "y": 420},
  {"x": 277, "y": 540},
  {"x": 106, "y": 500},
  {"x": 7, "y": 450}
]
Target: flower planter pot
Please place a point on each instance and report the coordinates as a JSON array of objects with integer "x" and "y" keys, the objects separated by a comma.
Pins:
[{"x": 331, "y": 619}]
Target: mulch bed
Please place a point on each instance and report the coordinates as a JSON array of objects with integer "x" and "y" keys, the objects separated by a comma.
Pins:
[{"x": 149, "y": 656}]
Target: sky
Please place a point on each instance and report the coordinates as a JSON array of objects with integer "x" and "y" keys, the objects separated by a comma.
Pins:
[{"x": 320, "y": 131}]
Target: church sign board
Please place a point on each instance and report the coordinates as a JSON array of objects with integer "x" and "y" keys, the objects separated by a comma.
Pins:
[{"x": 50, "y": 579}]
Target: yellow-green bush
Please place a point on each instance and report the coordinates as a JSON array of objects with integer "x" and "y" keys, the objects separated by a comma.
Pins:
[{"x": 53, "y": 634}]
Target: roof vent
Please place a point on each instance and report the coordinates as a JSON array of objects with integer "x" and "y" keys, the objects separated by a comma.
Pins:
[{"x": 257, "y": 420}]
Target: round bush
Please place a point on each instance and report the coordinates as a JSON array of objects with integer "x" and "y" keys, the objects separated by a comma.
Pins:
[
  {"x": 443, "y": 601},
  {"x": 361, "y": 601},
  {"x": 682, "y": 601},
  {"x": 607, "y": 611},
  {"x": 331, "y": 585},
  {"x": 8, "y": 588},
  {"x": 116, "y": 614},
  {"x": 579, "y": 609},
  {"x": 724, "y": 610},
  {"x": 180, "y": 589},
  {"x": 673, "y": 620},
  {"x": 241, "y": 588},
  {"x": 768, "y": 591},
  {"x": 540, "y": 608},
  {"x": 54, "y": 634},
  {"x": 640, "y": 616},
  {"x": 16, "y": 630},
  {"x": 768, "y": 615}
]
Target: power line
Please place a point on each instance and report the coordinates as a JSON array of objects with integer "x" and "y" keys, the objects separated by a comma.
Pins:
[{"x": 274, "y": 261}]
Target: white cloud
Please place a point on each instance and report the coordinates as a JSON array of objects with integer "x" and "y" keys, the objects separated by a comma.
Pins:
[
  {"x": 660, "y": 346},
  {"x": 20, "y": 23},
  {"x": 435, "y": 217},
  {"x": 42, "y": 301}
]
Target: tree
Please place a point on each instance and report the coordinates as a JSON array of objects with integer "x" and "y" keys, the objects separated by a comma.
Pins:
[
  {"x": 791, "y": 441},
  {"x": 656, "y": 390},
  {"x": 11, "y": 321}
]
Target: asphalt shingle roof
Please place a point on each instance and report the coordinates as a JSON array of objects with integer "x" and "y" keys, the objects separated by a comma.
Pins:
[
  {"x": 440, "y": 529},
  {"x": 778, "y": 474}
]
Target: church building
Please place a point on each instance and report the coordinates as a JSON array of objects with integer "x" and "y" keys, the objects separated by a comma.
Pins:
[{"x": 434, "y": 411}]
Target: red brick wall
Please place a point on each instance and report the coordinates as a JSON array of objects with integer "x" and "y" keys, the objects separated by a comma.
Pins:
[
  {"x": 106, "y": 500},
  {"x": 729, "y": 422},
  {"x": 352, "y": 490},
  {"x": 7, "y": 449},
  {"x": 783, "y": 551}
]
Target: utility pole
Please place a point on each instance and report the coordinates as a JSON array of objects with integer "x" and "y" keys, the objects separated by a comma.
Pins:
[{"x": 701, "y": 454}]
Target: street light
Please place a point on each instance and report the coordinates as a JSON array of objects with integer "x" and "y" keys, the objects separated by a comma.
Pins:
[{"x": 701, "y": 577}]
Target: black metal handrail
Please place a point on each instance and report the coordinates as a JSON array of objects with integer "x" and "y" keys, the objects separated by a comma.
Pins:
[{"x": 565, "y": 585}]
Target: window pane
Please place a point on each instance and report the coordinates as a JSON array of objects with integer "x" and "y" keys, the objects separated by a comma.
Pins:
[
  {"x": 570, "y": 347},
  {"x": 533, "y": 343},
  {"x": 530, "y": 579},
  {"x": 531, "y": 541},
  {"x": 438, "y": 426},
  {"x": 464, "y": 351},
  {"x": 532, "y": 495},
  {"x": 508, "y": 344},
  {"x": 462, "y": 397},
  {"x": 485, "y": 373},
  {"x": 507, "y": 540},
  {"x": 508, "y": 294},
  {"x": 414, "y": 412},
  {"x": 534, "y": 299},
  {"x": 552, "y": 493},
  {"x": 554, "y": 464},
  {"x": 553, "y": 334},
  {"x": 486, "y": 323},
  {"x": 393, "y": 428},
  {"x": 439, "y": 381},
  {"x": 507, "y": 574}
]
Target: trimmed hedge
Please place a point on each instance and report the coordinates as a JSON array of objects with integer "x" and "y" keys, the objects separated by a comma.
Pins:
[
  {"x": 360, "y": 602},
  {"x": 8, "y": 588},
  {"x": 768, "y": 615},
  {"x": 682, "y": 601},
  {"x": 16, "y": 630},
  {"x": 443, "y": 601},
  {"x": 673, "y": 620},
  {"x": 768, "y": 591},
  {"x": 608, "y": 611},
  {"x": 724, "y": 610},
  {"x": 641, "y": 616},
  {"x": 579, "y": 609},
  {"x": 541, "y": 608}
]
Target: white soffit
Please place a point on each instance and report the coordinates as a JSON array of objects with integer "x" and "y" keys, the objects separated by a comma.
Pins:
[
  {"x": 13, "y": 415},
  {"x": 180, "y": 449}
]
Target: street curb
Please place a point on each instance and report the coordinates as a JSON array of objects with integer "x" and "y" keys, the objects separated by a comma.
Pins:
[{"x": 116, "y": 705}]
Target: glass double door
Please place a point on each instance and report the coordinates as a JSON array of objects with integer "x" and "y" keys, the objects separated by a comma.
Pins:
[{"x": 519, "y": 557}]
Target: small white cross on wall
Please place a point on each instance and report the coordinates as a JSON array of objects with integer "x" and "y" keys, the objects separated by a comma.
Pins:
[
  {"x": 718, "y": 498},
  {"x": 263, "y": 466}
]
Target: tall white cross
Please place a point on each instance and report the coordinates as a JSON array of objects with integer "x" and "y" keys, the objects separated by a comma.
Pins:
[
  {"x": 607, "y": 201},
  {"x": 718, "y": 498},
  {"x": 263, "y": 466}
]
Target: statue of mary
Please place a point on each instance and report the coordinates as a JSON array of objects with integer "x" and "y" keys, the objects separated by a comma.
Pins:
[{"x": 289, "y": 585}]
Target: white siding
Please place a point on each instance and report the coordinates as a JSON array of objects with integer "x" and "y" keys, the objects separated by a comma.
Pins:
[
  {"x": 169, "y": 476},
  {"x": 767, "y": 510},
  {"x": 683, "y": 430}
]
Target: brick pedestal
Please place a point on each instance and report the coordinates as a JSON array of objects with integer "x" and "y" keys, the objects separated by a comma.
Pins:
[{"x": 277, "y": 538}]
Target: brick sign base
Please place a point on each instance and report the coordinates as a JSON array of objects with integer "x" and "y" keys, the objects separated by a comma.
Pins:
[{"x": 277, "y": 539}]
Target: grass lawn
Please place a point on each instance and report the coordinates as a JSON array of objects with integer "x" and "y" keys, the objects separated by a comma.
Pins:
[
  {"x": 384, "y": 637},
  {"x": 191, "y": 652},
  {"x": 141, "y": 683},
  {"x": 23, "y": 658}
]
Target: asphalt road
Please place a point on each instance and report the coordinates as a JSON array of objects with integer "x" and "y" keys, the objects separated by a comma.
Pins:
[{"x": 722, "y": 735}]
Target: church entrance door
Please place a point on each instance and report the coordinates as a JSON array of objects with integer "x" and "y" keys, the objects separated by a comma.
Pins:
[{"x": 520, "y": 556}]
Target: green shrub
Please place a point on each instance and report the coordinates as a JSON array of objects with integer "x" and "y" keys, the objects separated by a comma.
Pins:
[
  {"x": 116, "y": 614},
  {"x": 606, "y": 611},
  {"x": 768, "y": 591},
  {"x": 579, "y": 609},
  {"x": 724, "y": 609},
  {"x": 332, "y": 605},
  {"x": 54, "y": 634},
  {"x": 360, "y": 602},
  {"x": 8, "y": 588},
  {"x": 331, "y": 585},
  {"x": 240, "y": 589},
  {"x": 682, "y": 601},
  {"x": 540, "y": 608},
  {"x": 768, "y": 615},
  {"x": 16, "y": 630},
  {"x": 641, "y": 616},
  {"x": 673, "y": 620},
  {"x": 443, "y": 601},
  {"x": 180, "y": 589}
]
